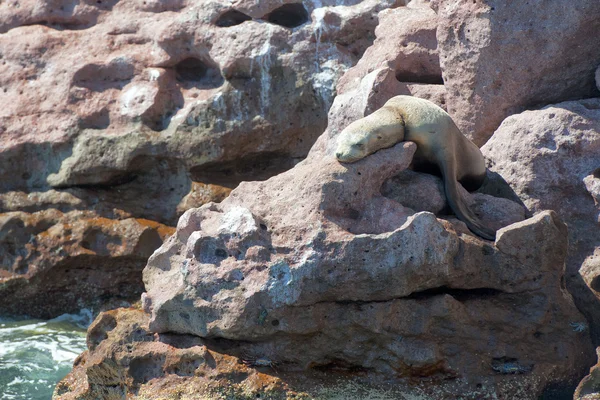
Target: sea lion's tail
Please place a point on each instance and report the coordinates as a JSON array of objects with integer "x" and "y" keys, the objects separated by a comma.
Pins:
[{"x": 462, "y": 211}]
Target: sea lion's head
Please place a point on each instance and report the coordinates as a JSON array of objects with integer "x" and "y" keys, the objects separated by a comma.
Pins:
[{"x": 367, "y": 135}]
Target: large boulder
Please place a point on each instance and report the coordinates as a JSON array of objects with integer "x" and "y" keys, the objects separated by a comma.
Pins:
[
  {"x": 314, "y": 268},
  {"x": 500, "y": 57},
  {"x": 550, "y": 157},
  {"x": 318, "y": 281}
]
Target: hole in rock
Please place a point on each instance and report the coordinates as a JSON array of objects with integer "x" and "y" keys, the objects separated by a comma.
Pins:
[
  {"x": 144, "y": 369},
  {"x": 595, "y": 284},
  {"x": 195, "y": 72},
  {"x": 258, "y": 167},
  {"x": 339, "y": 365},
  {"x": 103, "y": 4},
  {"x": 110, "y": 181},
  {"x": 410, "y": 77},
  {"x": 191, "y": 69},
  {"x": 232, "y": 18},
  {"x": 275, "y": 322},
  {"x": 220, "y": 253},
  {"x": 458, "y": 294},
  {"x": 100, "y": 243},
  {"x": 288, "y": 15},
  {"x": 97, "y": 120}
]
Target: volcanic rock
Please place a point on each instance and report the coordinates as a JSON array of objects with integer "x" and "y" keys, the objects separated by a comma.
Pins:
[
  {"x": 405, "y": 43},
  {"x": 499, "y": 58},
  {"x": 550, "y": 158},
  {"x": 314, "y": 268},
  {"x": 55, "y": 262},
  {"x": 124, "y": 111}
]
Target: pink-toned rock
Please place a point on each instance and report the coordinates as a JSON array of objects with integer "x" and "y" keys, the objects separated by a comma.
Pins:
[
  {"x": 315, "y": 268},
  {"x": 123, "y": 110},
  {"x": 550, "y": 158},
  {"x": 105, "y": 84},
  {"x": 425, "y": 192},
  {"x": 53, "y": 262},
  {"x": 405, "y": 44},
  {"x": 499, "y": 58}
]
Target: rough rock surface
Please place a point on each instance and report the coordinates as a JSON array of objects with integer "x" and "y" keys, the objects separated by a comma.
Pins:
[
  {"x": 405, "y": 43},
  {"x": 314, "y": 268},
  {"x": 127, "y": 359},
  {"x": 500, "y": 57},
  {"x": 328, "y": 274},
  {"x": 336, "y": 286},
  {"x": 182, "y": 84},
  {"x": 589, "y": 387},
  {"x": 550, "y": 157},
  {"x": 54, "y": 262},
  {"x": 122, "y": 110}
]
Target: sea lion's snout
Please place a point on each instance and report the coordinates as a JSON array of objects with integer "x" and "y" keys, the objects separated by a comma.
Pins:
[{"x": 350, "y": 151}]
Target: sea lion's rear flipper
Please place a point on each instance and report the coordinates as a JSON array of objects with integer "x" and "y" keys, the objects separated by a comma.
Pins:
[{"x": 460, "y": 209}]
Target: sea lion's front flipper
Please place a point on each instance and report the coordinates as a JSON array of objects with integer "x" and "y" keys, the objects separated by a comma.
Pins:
[{"x": 459, "y": 207}]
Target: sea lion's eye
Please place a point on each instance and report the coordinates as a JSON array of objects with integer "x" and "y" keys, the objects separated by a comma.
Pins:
[{"x": 358, "y": 145}]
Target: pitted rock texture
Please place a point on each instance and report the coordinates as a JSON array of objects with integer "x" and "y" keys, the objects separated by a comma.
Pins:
[
  {"x": 499, "y": 58},
  {"x": 315, "y": 268},
  {"x": 143, "y": 109},
  {"x": 338, "y": 274},
  {"x": 405, "y": 44},
  {"x": 126, "y": 359},
  {"x": 54, "y": 262},
  {"x": 114, "y": 88},
  {"x": 550, "y": 157}
]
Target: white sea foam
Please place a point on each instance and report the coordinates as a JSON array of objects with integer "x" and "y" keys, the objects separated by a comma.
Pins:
[{"x": 35, "y": 354}]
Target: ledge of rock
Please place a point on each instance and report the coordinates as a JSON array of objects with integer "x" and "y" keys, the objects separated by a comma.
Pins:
[{"x": 55, "y": 262}]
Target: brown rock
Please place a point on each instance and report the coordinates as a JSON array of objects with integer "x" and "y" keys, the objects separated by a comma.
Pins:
[
  {"x": 54, "y": 262},
  {"x": 589, "y": 387},
  {"x": 499, "y": 58},
  {"x": 550, "y": 158}
]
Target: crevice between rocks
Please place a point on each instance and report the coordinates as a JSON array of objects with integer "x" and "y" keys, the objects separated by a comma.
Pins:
[{"x": 458, "y": 294}]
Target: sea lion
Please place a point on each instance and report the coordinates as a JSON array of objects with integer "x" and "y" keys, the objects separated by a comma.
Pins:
[{"x": 440, "y": 144}]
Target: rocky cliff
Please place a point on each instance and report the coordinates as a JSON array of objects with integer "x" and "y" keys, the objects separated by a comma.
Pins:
[
  {"x": 312, "y": 279},
  {"x": 118, "y": 116}
]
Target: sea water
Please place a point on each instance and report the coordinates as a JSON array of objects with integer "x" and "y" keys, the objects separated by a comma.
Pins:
[{"x": 36, "y": 354}]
